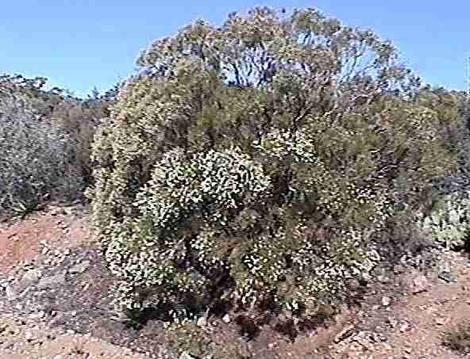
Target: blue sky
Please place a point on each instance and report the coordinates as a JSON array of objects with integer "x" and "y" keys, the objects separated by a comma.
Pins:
[{"x": 79, "y": 44}]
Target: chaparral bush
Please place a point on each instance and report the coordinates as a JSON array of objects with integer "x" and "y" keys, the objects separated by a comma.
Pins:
[
  {"x": 79, "y": 119},
  {"x": 446, "y": 220},
  {"x": 448, "y": 223},
  {"x": 261, "y": 163},
  {"x": 37, "y": 159}
]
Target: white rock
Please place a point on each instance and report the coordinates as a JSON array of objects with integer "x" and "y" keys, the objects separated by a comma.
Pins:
[
  {"x": 185, "y": 355},
  {"x": 419, "y": 284},
  {"x": 404, "y": 327},
  {"x": 386, "y": 301},
  {"x": 33, "y": 275},
  {"x": 201, "y": 322},
  {"x": 29, "y": 336},
  {"x": 52, "y": 281},
  {"x": 11, "y": 293},
  {"x": 226, "y": 318}
]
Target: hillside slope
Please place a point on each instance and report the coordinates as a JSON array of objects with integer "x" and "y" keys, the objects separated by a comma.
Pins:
[{"x": 54, "y": 304}]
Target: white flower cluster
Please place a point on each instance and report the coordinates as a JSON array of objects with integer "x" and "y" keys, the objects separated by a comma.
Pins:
[
  {"x": 213, "y": 181},
  {"x": 448, "y": 223},
  {"x": 325, "y": 267},
  {"x": 264, "y": 265},
  {"x": 150, "y": 252},
  {"x": 281, "y": 144}
]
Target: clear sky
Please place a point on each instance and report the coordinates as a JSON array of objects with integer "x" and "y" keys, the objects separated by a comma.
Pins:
[{"x": 79, "y": 44}]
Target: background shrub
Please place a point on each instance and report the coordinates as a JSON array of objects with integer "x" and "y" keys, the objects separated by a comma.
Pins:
[
  {"x": 36, "y": 158},
  {"x": 448, "y": 222},
  {"x": 262, "y": 163},
  {"x": 79, "y": 119},
  {"x": 45, "y": 141}
]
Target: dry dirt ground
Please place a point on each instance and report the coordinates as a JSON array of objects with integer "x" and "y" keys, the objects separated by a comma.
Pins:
[
  {"x": 22, "y": 243},
  {"x": 54, "y": 304}
]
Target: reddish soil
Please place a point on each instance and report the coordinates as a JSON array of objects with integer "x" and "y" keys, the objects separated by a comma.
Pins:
[
  {"x": 22, "y": 241},
  {"x": 413, "y": 325},
  {"x": 392, "y": 322}
]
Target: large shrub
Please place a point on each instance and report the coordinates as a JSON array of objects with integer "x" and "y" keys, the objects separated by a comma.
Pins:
[
  {"x": 37, "y": 159},
  {"x": 259, "y": 163}
]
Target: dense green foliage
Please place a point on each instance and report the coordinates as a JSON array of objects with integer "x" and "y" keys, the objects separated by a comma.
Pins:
[{"x": 263, "y": 163}]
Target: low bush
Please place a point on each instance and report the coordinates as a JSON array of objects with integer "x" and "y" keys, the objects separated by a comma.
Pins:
[
  {"x": 36, "y": 158},
  {"x": 45, "y": 142},
  {"x": 261, "y": 164},
  {"x": 79, "y": 120},
  {"x": 458, "y": 339},
  {"x": 448, "y": 223}
]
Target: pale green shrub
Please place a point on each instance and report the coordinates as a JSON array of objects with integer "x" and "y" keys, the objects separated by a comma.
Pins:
[{"x": 449, "y": 221}]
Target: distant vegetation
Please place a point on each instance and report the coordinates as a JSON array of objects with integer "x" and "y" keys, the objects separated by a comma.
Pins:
[{"x": 45, "y": 142}]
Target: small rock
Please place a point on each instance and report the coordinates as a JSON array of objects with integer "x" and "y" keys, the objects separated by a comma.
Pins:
[
  {"x": 57, "y": 211},
  {"x": 37, "y": 315},
  {"x": 80, "y": 267},
  {"x": 404, "y": 327},
  {"x": 419, "y": 284},
  {"x": 185, "y": 355},
  {"x": 29, "y": 336},
  {"x": 353, "y": 284},
  {"x": 226, "y": 318},
  {"x": 32, "y": 276},
  {"x": 201, "y": 322},
  {"x": 11, "y": 293},
  {"x": 386, "y": 301},
  {"x": 58, "y": 320},
  {"x": 447, "y": 277},
  {"x": 383, "y": 279},
  {"x": 52, "y": 281}
]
